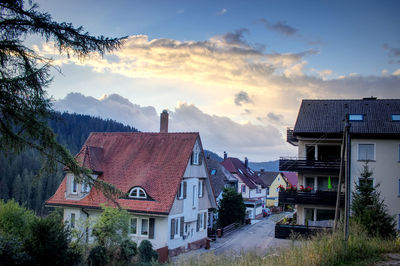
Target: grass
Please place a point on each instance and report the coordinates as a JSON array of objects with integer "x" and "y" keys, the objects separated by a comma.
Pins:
[{"x": 324, "y": 249}]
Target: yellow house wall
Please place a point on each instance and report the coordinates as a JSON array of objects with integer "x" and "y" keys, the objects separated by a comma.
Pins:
[{"x": 273, "y": 190}]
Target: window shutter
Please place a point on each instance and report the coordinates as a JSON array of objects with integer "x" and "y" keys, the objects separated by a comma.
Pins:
[
  {"x": 205, "y": 220},
  {"x": 191, "y": 158},
  {"x": 198, "y": 222},
  {"x": 200, "y": 158},
  {"x": 184, "y": 189},
  {"x": 151, "y": 228},
  {"x": 178, "y": 195},
  {"x": 172, "y": 228},
  {"x": 182, "y": 225}
]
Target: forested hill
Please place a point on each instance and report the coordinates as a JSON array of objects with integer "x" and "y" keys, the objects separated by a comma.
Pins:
[{"x": 18, "y": 173}]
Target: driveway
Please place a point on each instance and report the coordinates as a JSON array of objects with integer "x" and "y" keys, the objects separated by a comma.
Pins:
[{"x": 258, "y": 237}]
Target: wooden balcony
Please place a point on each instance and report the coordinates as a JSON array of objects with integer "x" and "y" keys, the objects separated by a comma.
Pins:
[
  {"x": 327, "y": 198},
  {"x": 294, "y": 164}
]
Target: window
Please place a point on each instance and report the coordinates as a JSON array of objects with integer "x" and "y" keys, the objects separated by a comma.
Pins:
[
  {"x": 145, "y": 227},
  {"x": 72, "y": 220},
  {"x": 194, "y": 193},
  {"x": 267, "y": 191},
  {"x": 133, "y": 228},
  {"x": 138, "y": 193},
  {"x": 240, "y": 171},
  {"x": 213, "y": 171},
  {"x": 356, "y": 117},
  {"x": 74, "y": 186},
  {"x": 366, "y": 152},
  {"x": 309, "y": 215},
  {"x": 182, "y": 190},
  {"x": 201, "y": 188},
  {"x": 370, "y": 181},
  {"x": 85, "y": 188},
  {"x": 177, "y": 226},
  {"x": 258, "y": 190},
  {"x": 396, "y": 117},
  {"x": 243, "y": 189}
]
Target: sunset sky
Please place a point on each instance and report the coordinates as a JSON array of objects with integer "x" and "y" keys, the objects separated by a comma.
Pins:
[{"x": 236, "y": 71}]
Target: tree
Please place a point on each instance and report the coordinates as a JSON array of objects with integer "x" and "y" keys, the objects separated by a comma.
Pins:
[
  {"x": 24, "y": 75},
  {"x": 146, "y": 252},
  {"x": 231, "y": 208},
  {"x": 369, "y": 209}
]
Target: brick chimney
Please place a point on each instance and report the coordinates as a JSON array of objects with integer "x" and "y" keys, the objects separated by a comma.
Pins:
[
  {"x": 246, "y": 162},
  {"x": 164, "y": 122},
  {"x": 225, "y": 155}
]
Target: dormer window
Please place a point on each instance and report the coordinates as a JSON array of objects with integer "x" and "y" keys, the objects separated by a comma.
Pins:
[
  {"x": 396, "y": 117},
  {"x": 74, "y": 186},
  {"x": 356, "y": 117},
  {"x": 240, "y": 171},
  {"x": 137, "y": 193}
]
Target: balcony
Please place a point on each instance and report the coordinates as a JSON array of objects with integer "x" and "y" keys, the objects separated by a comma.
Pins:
[
  {"x": 285, "y": 231},
  {"x": 294, "y": 164},
  {"x": 290, "y": 138},
  {"x": 327, "y": 198}
]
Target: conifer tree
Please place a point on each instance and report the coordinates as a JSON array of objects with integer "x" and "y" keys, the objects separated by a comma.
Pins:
[
  {"x": 369, "y": 209},
  {"x": 25, "y": 74},
  {"x": 231, "y": 208}
]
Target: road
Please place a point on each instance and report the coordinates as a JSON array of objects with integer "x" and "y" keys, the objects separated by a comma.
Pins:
[{"x": 257, "y": 237}]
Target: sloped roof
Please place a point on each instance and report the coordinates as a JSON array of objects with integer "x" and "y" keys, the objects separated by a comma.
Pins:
[
  {"x": 221, "y": 176},
  {"x": 248, "y": 176},
  {"x": 291, "y": 177},
  {"x": 154, "y": 161},
  {"x": 267, "y": 177},
  {"x": 327, "y": 116}
]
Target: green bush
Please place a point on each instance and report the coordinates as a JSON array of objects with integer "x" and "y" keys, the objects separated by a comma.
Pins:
[
  {"x": 231, "y": 208},
  {"x": 15, "y": 221},
  {"x": 12, "y": 252},
  {"x": 128, "y": 250},
  {"x": 49, "y": 242},
  {"x": 146, "y": 252},
  {"x": 98, "y": 256}
]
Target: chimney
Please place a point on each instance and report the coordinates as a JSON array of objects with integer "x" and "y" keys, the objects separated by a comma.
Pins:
[
  {"x": 225, "y": 155},
  {"x": 164, "y": 122},
  {"x": 262, "y": 170},
  {"x": 246, "y": 162}
]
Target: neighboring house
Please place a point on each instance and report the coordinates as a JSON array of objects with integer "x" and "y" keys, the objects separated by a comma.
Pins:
[
  {"x": 374, "y": 138},
  {"x": 220, "y": 178},
  {"x": 249, "y": 185},
  {"x": 165, "y": 181},
  {"x": 272, "y": 181}
]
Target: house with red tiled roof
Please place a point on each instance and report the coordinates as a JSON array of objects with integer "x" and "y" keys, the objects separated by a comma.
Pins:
[
  {"x": 165, "y": 181},
  {"x": 250, "y": 185}
]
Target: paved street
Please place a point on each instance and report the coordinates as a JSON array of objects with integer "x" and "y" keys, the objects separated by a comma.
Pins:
[{"x": 258, "y": 237}]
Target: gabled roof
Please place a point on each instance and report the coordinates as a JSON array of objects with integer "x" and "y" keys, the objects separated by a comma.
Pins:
[
  {"x": 248, "y": 176},
  {"x": 291, "y": 177},
  {"x": 267, "y": 177},
  {"x": 327, "y": 116},
  {"x": 221, "y": 176},
  {"x": 154, "y": 161}
]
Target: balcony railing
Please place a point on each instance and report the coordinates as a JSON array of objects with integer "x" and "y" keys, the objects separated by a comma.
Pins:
[
  {"x": 284, "y": 231},
  {"x": 327, "y": 198},
  {"x": 295, "y": 164},
  {"x": 290, "y": 138}
]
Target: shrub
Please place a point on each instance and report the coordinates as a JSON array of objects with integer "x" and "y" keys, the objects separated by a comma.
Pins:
[
  {"x": 15, "y": 221},
  {"x": 146, "y": 252},
  {"x": 12, "y": 252},
  {"x": 128, "y": 250},
  {"x": 98, "y": 256},
  {"x": 231, "y": 208}
]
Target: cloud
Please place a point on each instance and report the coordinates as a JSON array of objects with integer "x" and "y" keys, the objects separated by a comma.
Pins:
[
  {"x": 393, "y": 53},
  {"x": 222, "y": 11},
  {"x": 281, "y": 27},
  {"x": 397, "y": 72},
  {"x": 216, "y": 131},
  {"x": 274, "y": 117},
  {"x": 235, "y": 38},
  {"x": 241, "y": 98}
]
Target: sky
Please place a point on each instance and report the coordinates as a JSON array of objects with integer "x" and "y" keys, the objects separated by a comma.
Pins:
[{"x": 235, "y": 71}]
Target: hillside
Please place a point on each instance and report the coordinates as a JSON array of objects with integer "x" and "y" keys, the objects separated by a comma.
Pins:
[{"x": 19, "y": 173}]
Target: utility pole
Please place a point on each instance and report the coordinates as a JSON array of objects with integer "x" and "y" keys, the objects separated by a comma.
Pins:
[
  {"x": 347, "y": 180},
  {"x": 341, "y": 177}
]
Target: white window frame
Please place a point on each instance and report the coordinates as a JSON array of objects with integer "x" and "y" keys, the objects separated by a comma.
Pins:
[
  {"x": 130, "y": 226},
  {"x": 177, "y": 227},
  {"x": 201, "y": 188},
  {"x": 196, "y": 155},
  {"x": 74, "y": 186},
  {"x": 241, "y": 188},
  {"x": 135, "y": 193},
  {"x": 180, "y": 191},
  {"x": 72, "y": 219},
  {"x": 141, "y": 227},
  {"x": 358, "y": 151}
]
